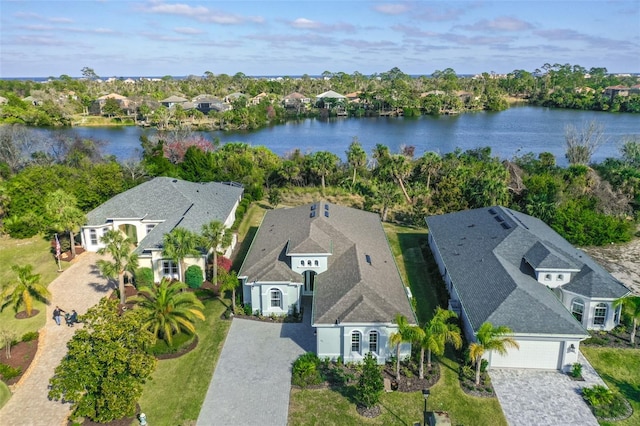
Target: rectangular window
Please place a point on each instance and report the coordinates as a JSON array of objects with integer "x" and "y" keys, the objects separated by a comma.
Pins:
[
  {"x": 169, "y": 268},
  {"x": 276, "y": 299},
  {"x": 355, "y": 342},
  {"x": 600, "y": 314},
  {"x": 373, "y": 342},
  {"x": 93, "y": 236}
]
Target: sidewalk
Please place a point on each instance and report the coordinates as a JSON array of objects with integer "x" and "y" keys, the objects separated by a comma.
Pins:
[{"x": 79, "y": 287}]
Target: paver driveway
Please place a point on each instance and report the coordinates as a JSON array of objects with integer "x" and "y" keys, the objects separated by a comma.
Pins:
[
  {"x": 544, "y": 398},
  {"x": 251, "y": 383}
]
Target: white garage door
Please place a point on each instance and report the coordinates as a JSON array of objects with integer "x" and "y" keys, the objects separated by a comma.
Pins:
[{"x": 532, "y": 354}]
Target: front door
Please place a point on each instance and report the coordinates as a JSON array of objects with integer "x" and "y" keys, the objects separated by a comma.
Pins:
[{"x": 309, "y": 282}]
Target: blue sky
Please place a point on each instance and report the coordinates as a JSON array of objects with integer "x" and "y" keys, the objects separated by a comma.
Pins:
[{"x": 156, "y": 38}]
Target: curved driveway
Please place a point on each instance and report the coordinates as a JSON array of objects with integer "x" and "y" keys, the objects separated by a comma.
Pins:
[{"x": 79, "y": 287}]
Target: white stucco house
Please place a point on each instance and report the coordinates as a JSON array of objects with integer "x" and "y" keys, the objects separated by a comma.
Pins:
[
  {"x": 340, "y": 257},
  {"x": 508, "y": 268},
  {"x": 152, "y": 209}
]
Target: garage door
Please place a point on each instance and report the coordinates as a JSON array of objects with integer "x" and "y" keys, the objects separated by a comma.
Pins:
[{"x": 532, "y": 354}]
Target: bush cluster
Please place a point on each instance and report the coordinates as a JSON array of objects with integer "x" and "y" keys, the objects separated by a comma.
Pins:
[{"x": 306, "y": 370}]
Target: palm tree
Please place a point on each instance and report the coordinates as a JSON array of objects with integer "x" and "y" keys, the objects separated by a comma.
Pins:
[
  {"x": 323, "y": 163},
  {"x": 436, "y": 334},
  {"x": 24, "y": 290},
  {"x": 64, "y": 214},
  {"x": 405, "y": 333},
  {"x": 178, "y": 244},
  {"x": 168, "y": 309},
  {"x": 356, "y": 157},
  {"x": 229, "y": 282},
  {"x": 632, "y": 305},
  {"x": 124, "y": 260},
  {"x": 490, "y": 338},
  {"x": 214, "y": 236}
]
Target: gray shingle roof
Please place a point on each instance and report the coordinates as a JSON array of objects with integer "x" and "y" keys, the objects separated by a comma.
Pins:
[
  {"x": 489, "y": 254},
  {"x": 352, "y": 290},
  {"x": 174, "y": 202}
]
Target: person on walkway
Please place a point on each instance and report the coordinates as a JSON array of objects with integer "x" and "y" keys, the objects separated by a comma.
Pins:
[
  {"x": 73, "y": 318},
  {"x": 57, "y": 313}
]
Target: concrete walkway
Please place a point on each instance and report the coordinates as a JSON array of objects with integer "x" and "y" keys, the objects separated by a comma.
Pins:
[
  {"x": 252, "y": 380},
  {"x": 79, "y": 287},
  {"x": 544, "y": 398}
]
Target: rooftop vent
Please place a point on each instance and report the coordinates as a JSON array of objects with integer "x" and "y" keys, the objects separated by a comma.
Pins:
[
  {"x": 499, "y": 218},
  {"x": 326, "y": 214},
  {"x": 313, "y": 206},
  {"x": 326, "y": 206},
  {"x": 368, "y": 258},
  {"x": 312, "y": 214},
  {"x": 492, "y": 211},
  {"x": 505, "y": 225}
]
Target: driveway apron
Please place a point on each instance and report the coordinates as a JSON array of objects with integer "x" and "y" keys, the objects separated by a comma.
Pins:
[
  {"x": 544, "y": 398},
  {"x": 252, "y": 380},
  {"x": 79, "y": 287}
]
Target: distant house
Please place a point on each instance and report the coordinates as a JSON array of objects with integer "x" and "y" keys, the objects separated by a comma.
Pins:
[
  {"x": 635, "y": 89},
  {"x": 508, "y": 268},
  {"x": 340, "y": 257},
  {"x": 152, "y": 209},
  {"x": 32, "y": 100},
  {"x": 258, "y": 98},
  {"x": 207, "y": 103},
  {"x": 173, "y": 100},
  {"x": 613, "y": 91},
  {"x": 234, "y": 97},
  {"x": 295, "y": 100},
  {"x": 3, "y": 100},
  {"x": 126, "y": 104},
  {"x": 330, "y": 95}
]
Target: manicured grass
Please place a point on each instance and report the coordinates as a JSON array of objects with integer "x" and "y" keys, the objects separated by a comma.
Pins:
[
  {"x": 328, "y": 407},
  {"x": 620, "y": 369},
  {"x": 5, "y": 394},
  {"x": 246, "y": 232},
  {"x": 34, "y": 251},
  {"x": 178, "y": 386}
]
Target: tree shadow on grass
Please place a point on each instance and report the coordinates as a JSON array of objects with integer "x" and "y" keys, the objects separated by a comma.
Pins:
[{"x": 243, "y": 248}]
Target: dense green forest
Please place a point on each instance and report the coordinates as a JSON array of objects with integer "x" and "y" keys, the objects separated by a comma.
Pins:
[
  {"x": 64, "y": 100},
  {"x": 589, "y": 204}
]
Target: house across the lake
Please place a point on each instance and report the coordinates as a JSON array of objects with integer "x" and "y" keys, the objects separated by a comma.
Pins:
[
  {"x": 152, "y": 209},
  {"x": 508, "y": 268},
  {"x": 340, "y": 257}
]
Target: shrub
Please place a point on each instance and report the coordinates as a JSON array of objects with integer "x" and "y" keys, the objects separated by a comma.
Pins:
[
  {"x": 370, "y": 384},
  {"x": 29, "y": 336},
  {"x": 305, "y": 370},
  {"x": 224, "y": 263},
  {"x": 7, "y": 372},
  {"x": 194, "y": 277},
  {"x": 247, "y": 309},
  {"x": 143, "y": 277},
  {"x": 178, "y": 342},
  {"x": 597, "y": 395},
  {"x": 576, "y": 370}
]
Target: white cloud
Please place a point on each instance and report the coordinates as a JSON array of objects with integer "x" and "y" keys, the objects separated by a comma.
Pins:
[{"x": 392, "y": 8}]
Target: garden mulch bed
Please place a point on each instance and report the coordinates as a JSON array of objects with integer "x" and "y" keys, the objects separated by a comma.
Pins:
[
  {"x": 617, "y": 338},
  {"x": 411, "y": 382},
  {"x": 22, "y": 355},
  {"x": 181, "y": 352},
  {"x": 23, "y": 314}
]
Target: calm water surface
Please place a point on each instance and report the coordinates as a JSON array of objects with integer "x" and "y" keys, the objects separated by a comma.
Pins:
[{"x": 512, "y": 132}]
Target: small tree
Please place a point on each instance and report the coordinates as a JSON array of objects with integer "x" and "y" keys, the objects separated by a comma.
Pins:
[
  {"x": 405, "y": 333},
  {"x": 490, "y": 338},
  {"x": 24, "y": 290},
  {"x": 64, "y": 215},
  {"x": 581, "y": 144},
  {"x": 106, "y": 365},
  {"x": 179, "y": 244},
  {"x": 124, "y": 260},
  {"x": 631, "y": 305},
  {"x": 6, "y": 338},
  {"x": 143, "y": 277},
  {"x": 370, "y": 384},
  {"x": 215, "y": 236},
  {"x": 229, "y": 282},
  {"x": 436, "y": 334}
]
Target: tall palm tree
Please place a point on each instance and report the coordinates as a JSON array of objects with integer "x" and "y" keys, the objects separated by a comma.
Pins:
[
  {"x": 24, "y": 290},
  {"x": 168, "y": 309},
  {"x": 178, "y": 244},
  {"x": 356, "y": 157},
  {"x": 124, "y": 260},
  {"x": 64, "y": 214},
  {"x": 229, "y": 282},
  {"x": 323, "y": 163},
  {"x": 436, "y": 334},
  {"x": 215, "y": 236},
  {"x": 631, "y": 304},
  {"x": 490, "y": 338},
  {"x": 405, "y": 333}
]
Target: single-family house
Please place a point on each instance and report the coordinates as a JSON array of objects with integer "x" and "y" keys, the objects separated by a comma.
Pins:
[
  {"x": 173, "y": 100},
  {"x": 207, "y": 103},
  {"x": 340, "y": 257},
  {"x": 508, "y": 268},
  {"x": 126, "y": 104},
  {"x": 154, "y": 208},
  {"x": 295, "y": 99},
  {"x": 330, "y": 94},
  {"x": 613, "y": 91},
  {"x": 258, "y": 98}
]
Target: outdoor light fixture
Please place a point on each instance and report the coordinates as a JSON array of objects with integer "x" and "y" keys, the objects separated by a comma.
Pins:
[
  {"x": 572, "y": 348},
  {"x": 425, "y": 394}
]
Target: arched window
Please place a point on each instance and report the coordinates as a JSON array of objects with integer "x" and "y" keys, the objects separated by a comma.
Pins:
[
  {"x": 600, "y": 314},
  {"x": 577, "y": 308},
  {"x": 547, "y": 277},
  {"x": 355, "y": 341},
  {"x": 308, "y": 263},
  {"x": 276, "y": 298},
  {"x": 302, "y": 263},
  {"x": 373, "y": 342},
  {"x": 316, "y": 263},
  {"x": 560, "y": 277}
]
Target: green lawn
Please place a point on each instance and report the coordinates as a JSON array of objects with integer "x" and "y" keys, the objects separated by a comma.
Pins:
[
  {"x": 328, "y": 407},
  {"x": 5, "y": 394},
  {"x": 34, "y": 251},
  {"x": 176, "y": 392},
  {"x": 620, "y": 369}
]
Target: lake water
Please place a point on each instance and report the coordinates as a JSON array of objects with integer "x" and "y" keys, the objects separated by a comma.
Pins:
[{"x": 512, "y": 132}]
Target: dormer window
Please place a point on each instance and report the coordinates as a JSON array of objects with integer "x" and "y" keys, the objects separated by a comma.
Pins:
[
  {"x": 547, "y": 277},
  {"x": 316, "y": 263},
  {"x": 302, "y": 263},
  {"x": 308, "y": 263},
  {"x": 560, "y": 277}
]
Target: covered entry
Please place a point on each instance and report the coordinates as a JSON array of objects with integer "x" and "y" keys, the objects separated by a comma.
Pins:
[{"x": 309, "y": 282}]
